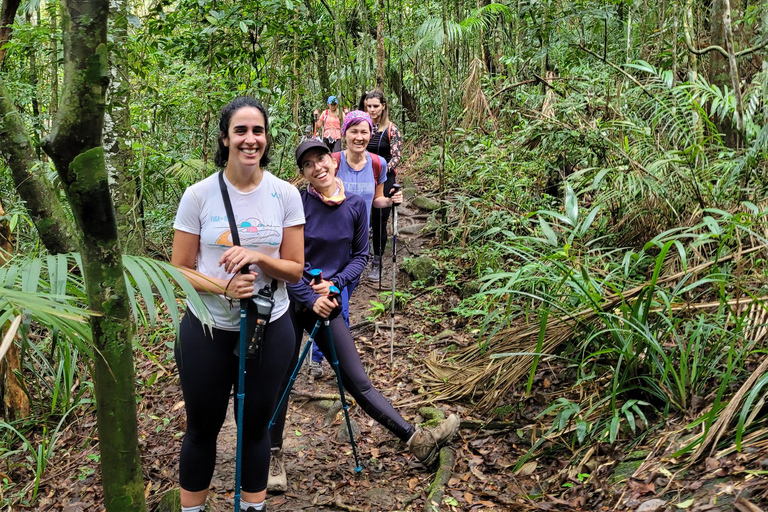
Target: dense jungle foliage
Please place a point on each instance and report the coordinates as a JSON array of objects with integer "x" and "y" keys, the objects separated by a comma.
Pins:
[{"x": 597, "y": 168}]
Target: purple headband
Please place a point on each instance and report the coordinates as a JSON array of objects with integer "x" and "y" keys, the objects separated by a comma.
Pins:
[{"x": 356, "y": 117}]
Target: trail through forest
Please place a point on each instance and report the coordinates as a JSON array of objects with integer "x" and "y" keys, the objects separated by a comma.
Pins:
[{"x": 320, "y": 465}]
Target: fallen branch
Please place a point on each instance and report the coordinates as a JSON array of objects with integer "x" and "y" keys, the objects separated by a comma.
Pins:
[
  {"x": 491, "y": 425},
  {"x": 360, "y": 325},
  {"x": 742, "y": 505},
  {"x": 435, "y": 489},
  {"x": 339, "y": 502},
  {"x": 314, "y": 396}
]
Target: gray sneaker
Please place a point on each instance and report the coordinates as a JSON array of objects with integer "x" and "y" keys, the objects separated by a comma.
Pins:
[
  {"x": 375, "y": 269},
  {"x": 278, "y": 480},
  {"x": 426, "y": 442},
  {"x": 316, "y": 369}
]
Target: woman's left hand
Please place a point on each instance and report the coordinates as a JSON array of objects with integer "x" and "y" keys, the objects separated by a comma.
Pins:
[
  {"x": 397, "y": 197},
  {"x": 237, "y": 257},
  {"x": 322, "y": 289}
]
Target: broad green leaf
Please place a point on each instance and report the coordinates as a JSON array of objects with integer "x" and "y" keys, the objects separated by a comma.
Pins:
[
  {"x": 134, "y": 20},
  {"x": 548, "y": 232}
]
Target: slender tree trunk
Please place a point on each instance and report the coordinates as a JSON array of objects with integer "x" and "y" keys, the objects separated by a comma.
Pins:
[
  {"x": 764, "y": 33},
  {"x": 380, "y": 55},
  {"x": 444, "y": 95},
  {"x": 719, "y": 66},
  {"x": 15, "y": 403},
  {"x": 294, "y": 78},
  {"x": 54, "y": 14},
  {"x": 733, "y": 68},
  {"x": 207, "y": 116},
  {"x": 74, "y": 145},
  {"x": 322, "y": 70},
  {"x": 7, "y": 15},
  {"x": 118, "y": 150}
]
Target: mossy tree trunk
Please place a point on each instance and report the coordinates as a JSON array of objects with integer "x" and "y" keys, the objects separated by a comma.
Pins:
[
  {"x": 75, "y": 147},
  {"x": 42, "y": 200}
]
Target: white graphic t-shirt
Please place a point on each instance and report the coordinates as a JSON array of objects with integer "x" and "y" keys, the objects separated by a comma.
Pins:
[{"x": 260, "y": 216}]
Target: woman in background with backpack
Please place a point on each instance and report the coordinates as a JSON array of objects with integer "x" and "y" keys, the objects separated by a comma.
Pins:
[
  {"x": 329, "y": 125},
  {"x": 386, "y": 141}
]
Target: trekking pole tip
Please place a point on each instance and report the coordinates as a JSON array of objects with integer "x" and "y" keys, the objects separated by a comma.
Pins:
[{"x": 358, "y": 470}]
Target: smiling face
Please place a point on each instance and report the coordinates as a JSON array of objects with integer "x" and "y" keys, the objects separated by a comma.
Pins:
[
  {"x": 246, "y": 138},
  {"x": 319, "y": 168},
  {"x": 357, "y": 137},
  {"x": 374, "y": 107}
]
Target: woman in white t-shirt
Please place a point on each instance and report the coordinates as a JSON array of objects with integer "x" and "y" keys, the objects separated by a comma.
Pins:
[{"x": 269, "y": 218}]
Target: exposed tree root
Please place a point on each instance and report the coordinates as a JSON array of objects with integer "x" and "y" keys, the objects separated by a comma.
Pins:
[{"x": 435, "y": 489}]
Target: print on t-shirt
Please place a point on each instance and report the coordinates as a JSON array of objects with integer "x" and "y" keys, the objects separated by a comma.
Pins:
[{"x": 252, "y": 233}]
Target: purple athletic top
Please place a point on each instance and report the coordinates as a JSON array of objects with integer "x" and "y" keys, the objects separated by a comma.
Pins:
[{"x": 335, "y": 241}]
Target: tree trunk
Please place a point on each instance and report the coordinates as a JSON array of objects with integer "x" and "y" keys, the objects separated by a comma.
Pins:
[
  {"x": 7, "y": 15},
  {"x": 380, "y": 55},
  {"x": 294, "y": 82},
  {"x": 322, "y": 70},
  {"x": 74, "y": 145},
  {"x": 54, "y": 61},
  {"x": 15, "y": 403},
  {"x": 118, "y": 151},
  {"x": 43, "y": 205},
  {"x": 733, "y": 68},
  {"x": 407, "y": 99},
  {"x": 719, "y": 71}
]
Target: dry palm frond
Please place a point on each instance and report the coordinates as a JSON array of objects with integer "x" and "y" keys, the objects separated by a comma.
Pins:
[
  {"x": 476, "y": 110},
  {"x": 725, "y": 418},
  {"x": 548, "y": 108},
  {"x": 474, "y": 372}
]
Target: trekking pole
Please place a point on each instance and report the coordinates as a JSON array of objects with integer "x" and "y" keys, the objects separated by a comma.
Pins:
[
  {"x": 334, "y": 293},
  {"x": 395, "y": 188},
  {"x": 317, "y": 277},
  {"x": 240, "y": 395}
]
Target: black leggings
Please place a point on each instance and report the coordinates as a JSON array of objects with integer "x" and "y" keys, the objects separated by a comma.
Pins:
[
  {"x": 353, "y": 376},
  {"x": 208, "y": 370},
  {"x": 379, "y": 218}
]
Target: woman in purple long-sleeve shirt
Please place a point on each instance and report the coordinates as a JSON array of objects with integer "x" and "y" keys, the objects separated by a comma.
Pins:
[{"x": 336, "y": 242}]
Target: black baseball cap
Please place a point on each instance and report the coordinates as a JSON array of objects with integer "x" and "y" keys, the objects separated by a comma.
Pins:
[{"x": 308, "y": 145}]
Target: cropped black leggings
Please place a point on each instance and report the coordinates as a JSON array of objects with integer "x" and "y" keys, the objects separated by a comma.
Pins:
[
  {"x": 379, "y": 218},
  {"x": 353, "y": 376},
  {"x": 208, "y": 370}
]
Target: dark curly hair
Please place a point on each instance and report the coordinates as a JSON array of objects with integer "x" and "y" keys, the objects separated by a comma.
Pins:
[{"x": 222, "y": 153}]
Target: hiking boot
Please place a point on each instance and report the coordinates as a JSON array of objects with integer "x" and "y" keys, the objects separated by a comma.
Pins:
[
  {"x": 277, "y": 481},
  {"x": 253, "y": 509},
  {"x": 426, "y": 442},
  {"x": 375, "y": 268},
  {"x": 316, "y": 369}
]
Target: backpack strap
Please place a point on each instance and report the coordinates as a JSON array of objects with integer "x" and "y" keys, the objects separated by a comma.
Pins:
[
  {"x": 376, "y": 164},
  {"x": 337, "y": 156}
]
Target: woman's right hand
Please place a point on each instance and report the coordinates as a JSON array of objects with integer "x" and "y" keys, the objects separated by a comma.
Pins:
[
  {"x": 324, "y": 306},
  {"x": 241, "y": 286}
]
